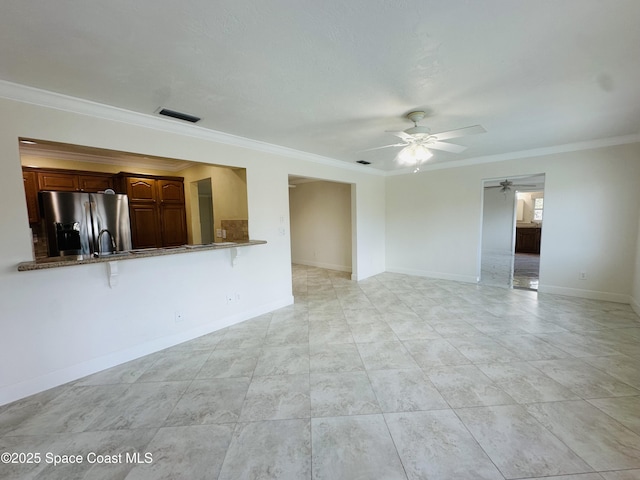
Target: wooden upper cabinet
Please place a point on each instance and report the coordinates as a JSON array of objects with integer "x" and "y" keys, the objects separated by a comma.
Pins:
[
  {"x": 95, "y": 183},
  {"x": 141, "y": 189},
  {"x": 157, "y": 209},
  {"x": 58, "y": 181},
  {"x": 73, "y": 181},
  {"x": 171, "y": 191},
  {"x": 30, "y": 180}
]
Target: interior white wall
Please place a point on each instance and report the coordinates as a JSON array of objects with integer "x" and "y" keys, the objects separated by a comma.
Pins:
[
  {"x": 60, "y": 324},
  {"x": 320, "y": 216},
  {"x": 635, "y": 293},
  {"x": 367, "y": 218},
  {"x": 590, "y": 220},
  {"x": 497, "y": 237},
  {"x": 497, "y": 221}
]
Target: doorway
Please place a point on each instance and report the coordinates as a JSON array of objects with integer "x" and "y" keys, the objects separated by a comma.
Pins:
[
  {"x": 511, "y": 231},
  {"x": 529, "y": 214},
  {"x": 321, "y": 223},
  {"x": 202, "y": 211}
]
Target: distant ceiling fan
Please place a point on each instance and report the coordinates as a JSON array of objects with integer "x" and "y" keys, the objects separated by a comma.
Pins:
[
  {"x": 507, "y": 185},
  {"x": 418, "y": 141}
]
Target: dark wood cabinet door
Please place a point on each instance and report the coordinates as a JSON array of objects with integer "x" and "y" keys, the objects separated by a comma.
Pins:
[
  {"x": 171, "y": 191},
  {"x": 157, "y": 210},
  {"x": 30, "y": 180},
  {"x": 95, "y": 183},
  {"x": 528, "y": 240},
  {"x": 174, "y": 225},
  {"x": 145, "y": 232},
  {"x": 141, "y": 189},
  {"x": 59, "y": 182}
]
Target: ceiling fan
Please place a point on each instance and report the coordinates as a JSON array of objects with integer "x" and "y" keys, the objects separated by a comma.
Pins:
[
  {"x": 507, "y": 185},
  {"x": 418, "y": 141}
]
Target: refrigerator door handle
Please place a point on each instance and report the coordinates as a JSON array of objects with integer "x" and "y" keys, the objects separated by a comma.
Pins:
[{"x": 92, "y": 230}]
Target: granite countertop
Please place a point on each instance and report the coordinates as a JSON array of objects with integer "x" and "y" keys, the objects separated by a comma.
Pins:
[{"x": 67, "y": 261}]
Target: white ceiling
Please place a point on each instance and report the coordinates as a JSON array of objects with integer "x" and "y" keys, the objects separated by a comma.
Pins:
[{"x": 330, "y": 77}]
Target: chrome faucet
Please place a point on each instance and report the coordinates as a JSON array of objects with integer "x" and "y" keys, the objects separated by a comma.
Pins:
[{"x": 113, "y": 242}]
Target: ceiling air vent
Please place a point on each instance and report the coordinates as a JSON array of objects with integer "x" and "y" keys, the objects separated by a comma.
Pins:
[
  {"x": 179, "y": 115},
  {"x": 363, "y": 162}
]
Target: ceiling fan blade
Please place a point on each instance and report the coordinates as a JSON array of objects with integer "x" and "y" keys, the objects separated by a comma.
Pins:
[
  {"x": 384, "y": 146},
  {"x": 460, "y": 132},
  {"x": 403, "y": 135},
  {"x": 447, "y": 147}
]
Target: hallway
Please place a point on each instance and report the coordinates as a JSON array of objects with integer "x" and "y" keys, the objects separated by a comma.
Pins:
[{"x": 526, "y": 271}]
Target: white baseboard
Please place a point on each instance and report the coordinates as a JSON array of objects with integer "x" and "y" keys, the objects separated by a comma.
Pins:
[
  {"x": 328, "y": 266},
  {"x": 438, "y": 275},
  {"x": 590, "y": 294},
  {"x": 35, "y": 385}
]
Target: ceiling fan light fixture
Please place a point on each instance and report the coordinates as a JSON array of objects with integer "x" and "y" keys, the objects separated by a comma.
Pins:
[{"x": 414, "y": 155}]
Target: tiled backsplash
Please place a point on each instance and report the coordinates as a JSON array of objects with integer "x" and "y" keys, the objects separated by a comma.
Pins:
[{"x": 236, "y": 229}]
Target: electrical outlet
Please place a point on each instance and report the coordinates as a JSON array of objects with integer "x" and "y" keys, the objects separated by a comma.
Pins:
[
  {"x": 179, "y": 317},
  {"x": 583, "y": 276},
  {"x": 237, "y": 297}
]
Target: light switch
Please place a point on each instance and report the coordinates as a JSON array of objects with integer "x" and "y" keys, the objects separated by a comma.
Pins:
[{"x": 219, "y": 232}]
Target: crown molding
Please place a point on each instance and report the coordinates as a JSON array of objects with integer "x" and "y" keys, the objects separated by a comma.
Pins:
[
  {"x": 58, "y": 101},
  {"x": 534, "y": 152},
  {"x": 124, "y": 160}
]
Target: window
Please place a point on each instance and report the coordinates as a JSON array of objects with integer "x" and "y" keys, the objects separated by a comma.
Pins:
[{"x": 538, "y": 205}]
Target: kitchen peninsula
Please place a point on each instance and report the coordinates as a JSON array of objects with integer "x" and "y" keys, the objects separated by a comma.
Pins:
[{"x": 56, "y": 262}]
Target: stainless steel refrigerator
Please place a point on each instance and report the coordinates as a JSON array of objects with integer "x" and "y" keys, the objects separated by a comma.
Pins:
[{"x": 86, "y": 223}]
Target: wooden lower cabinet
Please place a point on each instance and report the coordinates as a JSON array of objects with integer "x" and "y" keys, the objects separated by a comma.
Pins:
[
  {"x": 145, "y": 226},
  {"x": 151, "y": 226},
  {"x": 528, "y": 240},
  {"x": 173, "y": 225}
]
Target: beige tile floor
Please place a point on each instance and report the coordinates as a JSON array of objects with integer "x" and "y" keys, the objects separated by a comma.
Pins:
[{"x": 395, "y": 377}]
